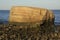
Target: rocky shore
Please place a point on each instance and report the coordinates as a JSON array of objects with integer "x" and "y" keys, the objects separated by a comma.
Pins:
[
  {"x": 29, "y": 23},
  {"x": 22, "y": 32}
]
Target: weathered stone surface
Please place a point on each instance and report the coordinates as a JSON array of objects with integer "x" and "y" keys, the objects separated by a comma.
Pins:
[{"x": 30, "y": 14}]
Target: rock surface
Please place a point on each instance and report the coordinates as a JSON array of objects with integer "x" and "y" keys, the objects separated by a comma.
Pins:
[{"x": 30, "y": 14}]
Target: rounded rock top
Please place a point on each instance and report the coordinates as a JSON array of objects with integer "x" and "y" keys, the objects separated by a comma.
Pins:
[{"x": 29, "y": 14}]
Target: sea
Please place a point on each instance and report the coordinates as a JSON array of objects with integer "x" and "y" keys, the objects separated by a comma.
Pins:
[{"x": 4, "y": 15}]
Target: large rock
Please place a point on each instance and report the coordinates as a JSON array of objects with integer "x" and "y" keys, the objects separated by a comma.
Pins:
[
  {"x": 34, "y": 24},
  {"x": 30, "y": 14}
]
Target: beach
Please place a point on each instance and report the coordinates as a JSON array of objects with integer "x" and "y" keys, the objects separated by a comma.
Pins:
[{"x": 17, "y": 32}]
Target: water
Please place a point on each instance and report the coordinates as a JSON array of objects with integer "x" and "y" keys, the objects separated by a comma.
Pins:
[
  {"x": 4, "y": 14},
  {"x": 57, "y": 16}
]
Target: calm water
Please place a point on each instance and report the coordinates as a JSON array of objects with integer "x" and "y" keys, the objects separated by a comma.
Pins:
[{"x": 4, "y": 14}]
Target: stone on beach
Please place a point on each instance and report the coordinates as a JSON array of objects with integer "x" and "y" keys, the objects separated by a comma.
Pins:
[
  {"x": 30, "y": 14},
  {"x": 34, "y": 24}
]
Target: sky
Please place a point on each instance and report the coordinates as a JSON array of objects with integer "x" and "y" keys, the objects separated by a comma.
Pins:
[{"x": 49, "y": 4}]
